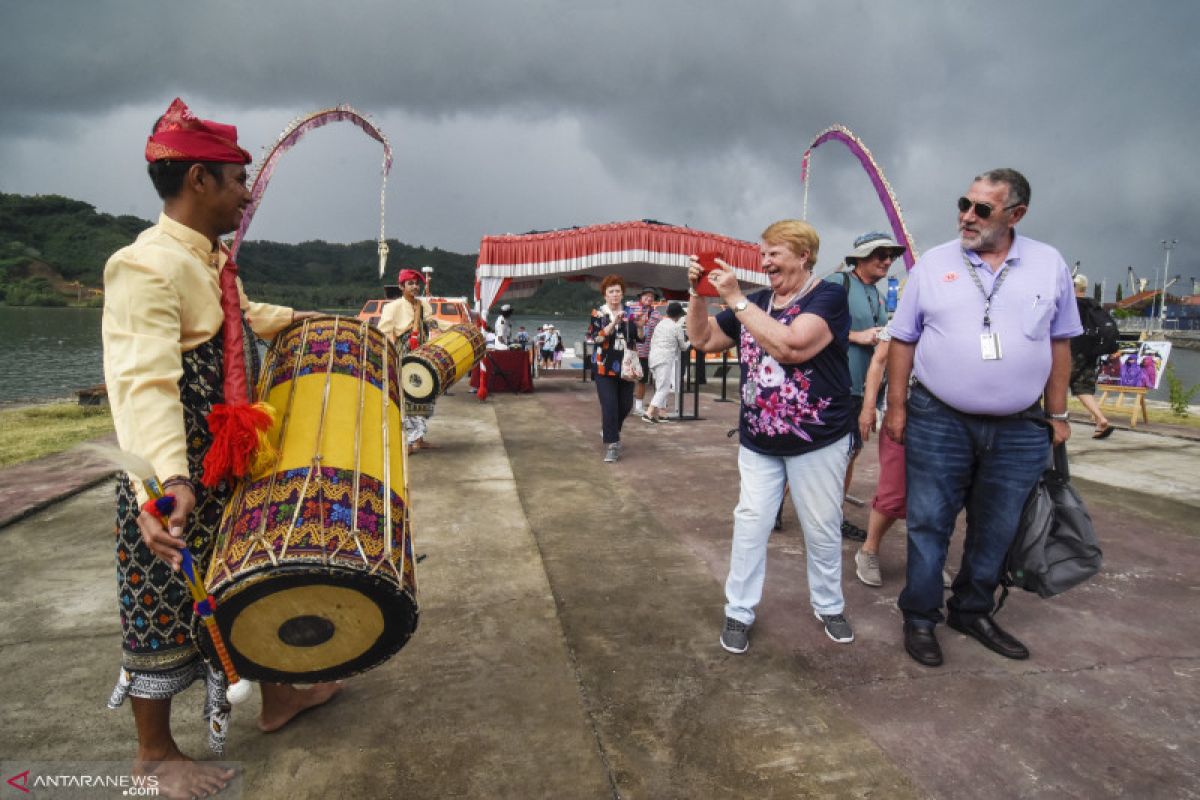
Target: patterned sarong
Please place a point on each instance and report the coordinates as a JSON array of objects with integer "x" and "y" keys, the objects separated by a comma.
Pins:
[
  {"x": 416, "y": 415},
  {"x": 158, "y": 657}
]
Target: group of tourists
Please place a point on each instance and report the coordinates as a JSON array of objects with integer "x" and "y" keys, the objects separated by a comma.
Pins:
[
  {"x": 548, "y": 347},
  {"x": 981, "y": 335},
  {"x": 977, "y": 359}
]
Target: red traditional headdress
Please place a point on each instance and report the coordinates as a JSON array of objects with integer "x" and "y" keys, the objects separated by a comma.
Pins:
[
  {"x": 410, "y": 275},
  {"x": 180, "y": 134},
  {"x": 238, "y": 425}
]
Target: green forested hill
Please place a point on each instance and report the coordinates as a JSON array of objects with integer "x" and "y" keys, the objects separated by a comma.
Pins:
[
  {"x": 326, "y": 275},
  {"x": 53, "y": 249},
  {"x": 49, "y": 242}
]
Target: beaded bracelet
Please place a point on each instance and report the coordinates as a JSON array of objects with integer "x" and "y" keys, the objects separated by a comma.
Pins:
[{"x": 179, "y": 480}]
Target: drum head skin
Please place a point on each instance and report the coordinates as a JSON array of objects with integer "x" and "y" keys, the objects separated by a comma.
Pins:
[
  {"x": 307, "y": 624},
  {"x": 419, "y": 381}
]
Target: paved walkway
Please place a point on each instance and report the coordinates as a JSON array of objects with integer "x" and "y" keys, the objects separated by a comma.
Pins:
[
  {"x": 567, "y": 646},
  {"x": 34, "y": 485}
]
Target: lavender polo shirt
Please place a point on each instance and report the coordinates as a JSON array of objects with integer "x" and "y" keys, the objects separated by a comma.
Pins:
[{"x": 941, "y": 310}]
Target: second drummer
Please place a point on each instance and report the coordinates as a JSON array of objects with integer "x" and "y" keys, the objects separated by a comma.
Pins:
[{"x": 407, "y": 321}]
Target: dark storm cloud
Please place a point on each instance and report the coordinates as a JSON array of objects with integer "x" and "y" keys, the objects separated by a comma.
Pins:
[{"x": 692, "y": 112}]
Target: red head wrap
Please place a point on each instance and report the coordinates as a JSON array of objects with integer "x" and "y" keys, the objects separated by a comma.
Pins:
[
  {"x": 181, "y": 135},
  {"x": 410, "y": 275}
]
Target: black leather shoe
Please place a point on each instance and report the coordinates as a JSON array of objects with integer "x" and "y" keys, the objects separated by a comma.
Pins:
[
  {"x": 992, "y": 636},
  {"x": 921, "y": 643}
]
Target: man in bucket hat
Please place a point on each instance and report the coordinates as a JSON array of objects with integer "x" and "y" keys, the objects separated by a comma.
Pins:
[
  {"x": 650, "y": 317},
  {"x": 866, "y": 265}
]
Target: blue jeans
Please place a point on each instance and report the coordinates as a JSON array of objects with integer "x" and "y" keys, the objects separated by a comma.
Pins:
[
  {"x": 988, "y": 465},
  {"x": 816, "y": 482}
]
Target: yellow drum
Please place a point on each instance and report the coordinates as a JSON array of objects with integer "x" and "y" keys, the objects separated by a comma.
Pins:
[
  {"x": 313, "y": 569},
  {"x": 432, "y": 368}
]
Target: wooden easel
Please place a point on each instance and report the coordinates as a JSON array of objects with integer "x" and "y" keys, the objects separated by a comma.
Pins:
[{"x": 1112, "y": 398}]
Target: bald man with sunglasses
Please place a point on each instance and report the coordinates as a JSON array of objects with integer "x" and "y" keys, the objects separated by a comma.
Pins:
[{"x": 983, "y": 329}]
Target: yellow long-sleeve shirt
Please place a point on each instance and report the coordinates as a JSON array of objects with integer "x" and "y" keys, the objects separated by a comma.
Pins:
[
  {"x": 396, "y": 318},
  {"x": 162, "y": 298}
]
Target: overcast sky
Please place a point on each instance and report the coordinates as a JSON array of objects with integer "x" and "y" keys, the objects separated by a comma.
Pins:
[{"x": 511, "y": 116}]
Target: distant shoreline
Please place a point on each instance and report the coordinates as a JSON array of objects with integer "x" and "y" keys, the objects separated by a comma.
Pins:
[
  {"x": 18, "y": 405},
  {"x": 1183, "y": 341}
]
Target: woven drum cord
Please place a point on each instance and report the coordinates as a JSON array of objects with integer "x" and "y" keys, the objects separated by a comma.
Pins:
[{"x": 315, "y": 464}]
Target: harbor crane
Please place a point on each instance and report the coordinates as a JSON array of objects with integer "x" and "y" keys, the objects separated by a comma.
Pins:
[{"x": 1136, "y": 285}]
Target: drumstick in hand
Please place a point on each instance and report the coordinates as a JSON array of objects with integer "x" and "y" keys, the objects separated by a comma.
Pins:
[
  {"x": 204, "y": 604},
  {"x": 161, "y": 505}
]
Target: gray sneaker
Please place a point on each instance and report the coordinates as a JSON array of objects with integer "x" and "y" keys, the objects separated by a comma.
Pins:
[
  {"x": 736, "y": 636},
  {"x": 867, "y": 568},
  {"x": 612, "y": 453},
  {"x": 836, "y": 627}
]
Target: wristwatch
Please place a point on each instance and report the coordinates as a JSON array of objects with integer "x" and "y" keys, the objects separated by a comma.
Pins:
[
  {"x": 1063, "y": 417},
  {"x": 740, "y": 306}
]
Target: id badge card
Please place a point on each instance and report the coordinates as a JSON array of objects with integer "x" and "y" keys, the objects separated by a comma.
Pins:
[{"x": 989, "y": 346}]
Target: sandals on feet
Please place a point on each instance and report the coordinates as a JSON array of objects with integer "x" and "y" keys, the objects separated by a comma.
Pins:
[{"x": 1103, "y": 433}]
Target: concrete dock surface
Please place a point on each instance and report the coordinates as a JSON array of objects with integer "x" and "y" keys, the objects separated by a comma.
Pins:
[{"x": 567, "y": 648}]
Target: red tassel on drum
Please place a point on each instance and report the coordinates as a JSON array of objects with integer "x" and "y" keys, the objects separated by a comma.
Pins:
[{"x": 239, "y": 442}]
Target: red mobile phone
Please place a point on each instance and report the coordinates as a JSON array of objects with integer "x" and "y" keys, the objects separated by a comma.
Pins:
[{"x": 708, "y": 262}]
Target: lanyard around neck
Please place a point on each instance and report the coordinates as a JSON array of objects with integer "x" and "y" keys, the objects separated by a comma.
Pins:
[
  {"x": 987, "y": 296},
  {"x": 872, "y": 295}
]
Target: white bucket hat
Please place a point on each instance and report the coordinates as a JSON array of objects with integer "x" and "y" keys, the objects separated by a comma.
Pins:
[{"x": 870, "y": 242}]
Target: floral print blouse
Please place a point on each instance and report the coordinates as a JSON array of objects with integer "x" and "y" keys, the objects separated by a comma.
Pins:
[
  {"x": 611, "y": 349},
  {"x": 790, "y": 409}
]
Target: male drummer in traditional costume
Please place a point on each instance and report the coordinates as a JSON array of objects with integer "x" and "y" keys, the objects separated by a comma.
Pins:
[
  {"x": 407, "y": 321},
  {"x": 177, "y": 329}
]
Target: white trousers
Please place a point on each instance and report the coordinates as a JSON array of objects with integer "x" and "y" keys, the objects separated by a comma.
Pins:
[
  {"x": 664, "y": 383},
  {"x": 816, "y": 482}
]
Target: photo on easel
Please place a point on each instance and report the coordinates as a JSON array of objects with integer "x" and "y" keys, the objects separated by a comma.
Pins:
[{"x": 1140, "y": 365}]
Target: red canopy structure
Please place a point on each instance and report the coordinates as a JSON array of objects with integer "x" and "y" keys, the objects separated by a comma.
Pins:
[{"x": 644, "y": 253}]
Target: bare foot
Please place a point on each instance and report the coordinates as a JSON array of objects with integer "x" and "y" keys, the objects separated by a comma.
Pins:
[
  {"x": 421, "y": 444},
  {"x": 181, "y": 777},
  {"x": 282, "y": 702}
]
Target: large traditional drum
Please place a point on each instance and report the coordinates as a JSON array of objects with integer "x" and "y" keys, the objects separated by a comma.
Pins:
[
  {"x": 432, "y": 368},
  {"x": 313, "y": 570}
]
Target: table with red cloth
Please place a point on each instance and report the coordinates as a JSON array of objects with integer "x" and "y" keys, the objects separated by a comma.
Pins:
[{"x": 507, "y": 371}]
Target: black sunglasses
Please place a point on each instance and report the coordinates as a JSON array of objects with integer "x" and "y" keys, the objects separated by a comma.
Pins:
[{"x": 982, "y": 210}]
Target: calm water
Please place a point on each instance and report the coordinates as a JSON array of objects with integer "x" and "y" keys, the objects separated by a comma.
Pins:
[
  {"x": 571, "y": 329},
  {"x": 48, "y": 353}
]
